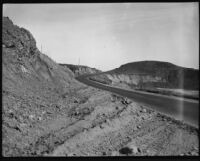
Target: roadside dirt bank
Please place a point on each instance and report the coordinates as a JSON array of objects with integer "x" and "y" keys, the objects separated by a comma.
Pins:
[{"x": 117, "y": 126}]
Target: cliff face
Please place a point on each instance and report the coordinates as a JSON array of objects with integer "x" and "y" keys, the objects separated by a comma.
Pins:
[
  {"x": 18, "y": 38},
  {"x": 135, "y": 79},
  {"x": 80, "y": 69},
  {"x": 33, "y": 85},
  {"x": 149, "y": 74}
]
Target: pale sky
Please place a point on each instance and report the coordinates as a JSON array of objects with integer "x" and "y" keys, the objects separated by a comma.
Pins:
[{"x": 106, "y": 36}]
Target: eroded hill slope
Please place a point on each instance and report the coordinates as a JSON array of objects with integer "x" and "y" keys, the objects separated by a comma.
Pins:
[{"x": 33, "y": 85}]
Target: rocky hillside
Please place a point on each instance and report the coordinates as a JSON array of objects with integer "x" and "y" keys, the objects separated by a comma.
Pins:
[
  {"x": 150, "y": 74},
  {"x": 80, "y": 69},
  {"x": 33, "y": 86}
]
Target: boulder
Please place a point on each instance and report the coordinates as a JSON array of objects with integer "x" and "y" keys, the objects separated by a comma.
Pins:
[
  {"x": 126, "y": 150},
  {"x": 71, "y": 154},
  {"x": 134, "y": 148},
  {"x": 128, "y": 101},
  {"x": 115, "y": 153},
  {"x": 101, "y": 126}
]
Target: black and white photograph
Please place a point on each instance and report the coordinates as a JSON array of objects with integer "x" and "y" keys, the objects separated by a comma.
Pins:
[{"x": 100, "y": 79}]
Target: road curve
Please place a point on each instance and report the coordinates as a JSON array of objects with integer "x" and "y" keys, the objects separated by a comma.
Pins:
[{"x": 179, "y": 108}]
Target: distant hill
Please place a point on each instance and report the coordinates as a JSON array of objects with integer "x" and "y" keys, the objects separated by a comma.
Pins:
[
  {"x": 145, "y": 74},
  {"x": 175, "y": 76},
  {"x": 144, "y": 67},
  {"x": 80, "y": 69}
]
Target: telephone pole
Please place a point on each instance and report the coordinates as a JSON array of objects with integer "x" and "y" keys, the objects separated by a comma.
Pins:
[
  {"x": 78, "y": 61},
  {"x": 41, "y": 48}
]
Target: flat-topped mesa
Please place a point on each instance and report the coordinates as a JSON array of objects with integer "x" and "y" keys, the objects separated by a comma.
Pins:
[{"x": 18, "y": 39}]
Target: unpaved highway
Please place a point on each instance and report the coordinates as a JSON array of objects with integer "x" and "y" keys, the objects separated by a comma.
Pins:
[{"x": 179, "y": 108}]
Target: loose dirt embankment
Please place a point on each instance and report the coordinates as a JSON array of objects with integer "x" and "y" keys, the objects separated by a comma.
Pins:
[
  {"x": 96, "y": 123},
  {"x": 117, "y": 126}
]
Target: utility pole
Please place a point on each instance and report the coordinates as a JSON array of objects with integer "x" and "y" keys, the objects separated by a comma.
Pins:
[
  {"x": 78, "y": 61},
  {"x": 41, "y": 48}
]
